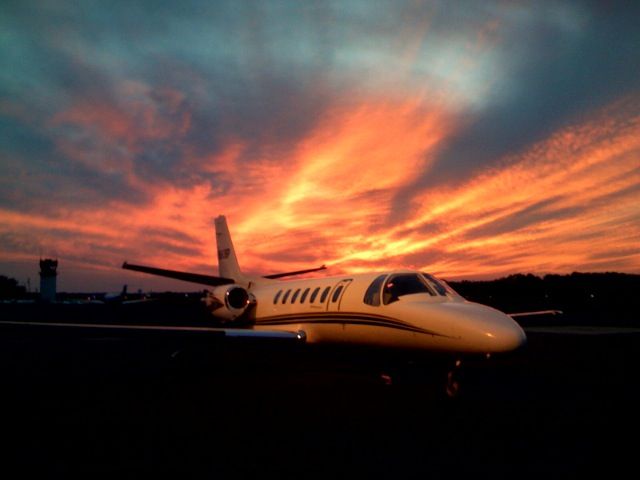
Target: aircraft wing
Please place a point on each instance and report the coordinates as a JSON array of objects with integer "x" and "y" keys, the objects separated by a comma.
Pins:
[
  {"x": 297, "y": 272},
  {"x": 537, "y": 312},
  {"x": 207, "y": 279},
  {"x": 572, "y": 330},
  {"x": 124, "y": 328},
  {"x": 583, "y": 330},
  {"x": 186, "y": 276}
]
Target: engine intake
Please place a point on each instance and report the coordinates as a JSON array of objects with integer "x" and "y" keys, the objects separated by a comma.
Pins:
[
  {"x": 236, "y": 298},
  {"x": 229, "y": 302}
]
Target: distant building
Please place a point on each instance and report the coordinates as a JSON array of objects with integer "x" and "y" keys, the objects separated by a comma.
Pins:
[{"x": 48, "y": 274}]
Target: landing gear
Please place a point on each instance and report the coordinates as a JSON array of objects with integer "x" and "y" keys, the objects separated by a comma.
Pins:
[
  {"x": 386, "y": 379},
  {"x": 453, "y": 385},
  {"x": 436, "y": 381}
]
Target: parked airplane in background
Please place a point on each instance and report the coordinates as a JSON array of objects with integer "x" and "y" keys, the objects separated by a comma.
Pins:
[
  {"x": 399, "y": 309},
  {"x": 116, "y": 297},
  {"x": 124, "y": 298}
]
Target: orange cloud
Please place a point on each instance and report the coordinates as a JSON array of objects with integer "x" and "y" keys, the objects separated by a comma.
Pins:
[
  {"x": 569, "y": 202},
  {"x": 537, "y": 206},
  {"x": 338, "y": 182},
  {"x": 547, "y": 209}
]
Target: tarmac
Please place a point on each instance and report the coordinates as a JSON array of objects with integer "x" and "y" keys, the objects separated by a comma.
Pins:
[{"x": 564, "y": 407}]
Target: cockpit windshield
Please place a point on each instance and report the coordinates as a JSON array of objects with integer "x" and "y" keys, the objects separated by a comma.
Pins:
[
  {"x": 442, "y": 287},
  {"x": 395, "y": 286},
  {"x": 449, "y": 288},
  {"x": 372, "y": 295},
  {"x": 404, "y": 284}
]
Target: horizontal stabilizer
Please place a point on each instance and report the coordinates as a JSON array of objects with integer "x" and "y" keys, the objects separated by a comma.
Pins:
[
  {"x": 298, "y": 272},
  {"x": 185, "y": 276}
]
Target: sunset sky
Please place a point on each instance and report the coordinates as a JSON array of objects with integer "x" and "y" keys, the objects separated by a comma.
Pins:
[{"x": 467, "y": 139}]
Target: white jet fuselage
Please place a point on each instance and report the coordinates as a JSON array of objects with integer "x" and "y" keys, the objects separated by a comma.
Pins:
[{"x": 352, "y": 312}]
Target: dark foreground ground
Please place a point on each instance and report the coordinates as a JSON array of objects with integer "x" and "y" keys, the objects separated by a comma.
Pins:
[{"x": 121, "y": 407}]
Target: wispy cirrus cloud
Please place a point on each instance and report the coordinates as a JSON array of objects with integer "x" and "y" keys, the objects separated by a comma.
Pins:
[{"x": 535, "y": 207}]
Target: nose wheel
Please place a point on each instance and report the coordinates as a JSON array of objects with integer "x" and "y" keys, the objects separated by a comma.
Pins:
[{"x": 453, "y": 386}]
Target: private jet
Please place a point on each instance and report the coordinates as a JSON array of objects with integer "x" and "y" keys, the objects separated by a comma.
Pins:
[{"x": 398, "y": 310}]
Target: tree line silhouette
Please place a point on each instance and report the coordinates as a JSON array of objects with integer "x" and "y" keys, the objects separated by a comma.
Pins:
[{"x": 608, "y": 296}]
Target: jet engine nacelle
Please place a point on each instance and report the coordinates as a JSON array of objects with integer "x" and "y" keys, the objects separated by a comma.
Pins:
[{"x": 228, "y": 302}]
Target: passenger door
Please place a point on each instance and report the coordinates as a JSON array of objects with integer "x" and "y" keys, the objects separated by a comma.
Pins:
[{"x": 336, "y": 295}]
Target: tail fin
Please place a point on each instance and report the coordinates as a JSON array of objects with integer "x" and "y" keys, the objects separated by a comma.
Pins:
[{"x": 228, "y": 266}]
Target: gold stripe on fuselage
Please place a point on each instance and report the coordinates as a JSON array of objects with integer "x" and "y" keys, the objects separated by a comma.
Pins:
[{"x": 344, "y": 318}]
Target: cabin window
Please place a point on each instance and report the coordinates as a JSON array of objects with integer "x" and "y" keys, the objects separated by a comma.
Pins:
[
  {"x": 275, "y": 299},
  {"x": 440, "y": 288},
  {"x": 304, "y": 295},
  {"x": 286, "y": 295},
  {"x": 314, "y": 295},
  {"x": 372, "y": 295},
  {"x": 295, "y": 295},
  {"x": 336, "y": 294},
  {"x": 323, "y": 297},
  {"x": 403, "y": 284}
]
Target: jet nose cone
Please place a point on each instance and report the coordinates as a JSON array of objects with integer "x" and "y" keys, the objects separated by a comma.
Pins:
[
  {"x": 496, "y": 332},
  {"x": 507, "y": 337}
]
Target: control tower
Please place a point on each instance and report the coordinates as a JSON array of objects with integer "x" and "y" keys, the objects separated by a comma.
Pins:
[{"x": 48, "y": 274}]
